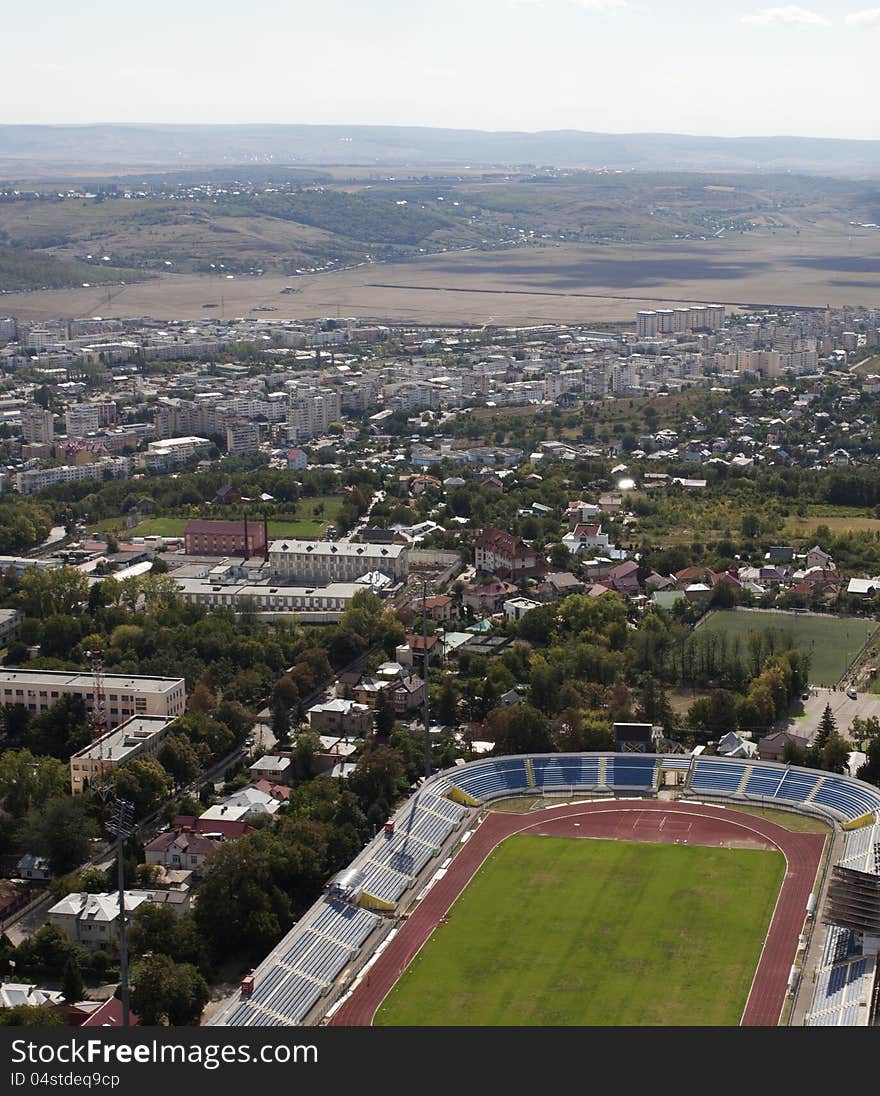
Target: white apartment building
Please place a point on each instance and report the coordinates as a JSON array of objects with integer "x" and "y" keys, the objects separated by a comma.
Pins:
[
  {"x": 310, "y": 413},
  {"x": 125, "y": 695},
  {"x": 85, "y": 418},
  {"x": 646, "y": 324},
  {"x": 37, "y": 425},
  {"x": 242, "y": 438},
  {"x": 36, "y": 479},
  {"x": 136, "y": 736},
  {"x": 665, "y": 321},
  {"x": 322, "y": 562},
  {"x": 173, "y": 451}
]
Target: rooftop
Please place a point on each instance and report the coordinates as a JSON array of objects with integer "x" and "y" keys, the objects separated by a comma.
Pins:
[
  {"x": 22, "y": 675},
  {"x": 116, "y": 744}
]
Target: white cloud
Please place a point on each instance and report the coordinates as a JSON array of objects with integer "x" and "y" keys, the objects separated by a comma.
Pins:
[
  {"x": 868, "y": 18},
  {"x": 607, "y": 7},
  {"x": 790, "y": 15},
  {"x": 601, "y": 7}
]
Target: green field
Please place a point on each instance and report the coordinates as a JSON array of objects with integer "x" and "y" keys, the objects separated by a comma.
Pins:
[
  {"x": 832, "y": 642},
  {"x": 561, "y": 931},
  {"x": 312, "y": 518}
]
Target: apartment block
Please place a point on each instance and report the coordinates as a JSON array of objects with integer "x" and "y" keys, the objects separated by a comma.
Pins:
[{"x": 37, "y": 425}]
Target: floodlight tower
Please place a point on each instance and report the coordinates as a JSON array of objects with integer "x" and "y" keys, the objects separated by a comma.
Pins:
[
  {"x": 98, "y": 720},
  {"x": 122, "y": 825},
  {"x": 427, "y": 714}
]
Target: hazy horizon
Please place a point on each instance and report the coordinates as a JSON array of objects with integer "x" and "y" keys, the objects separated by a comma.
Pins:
[{"x": 743, "y": 69}]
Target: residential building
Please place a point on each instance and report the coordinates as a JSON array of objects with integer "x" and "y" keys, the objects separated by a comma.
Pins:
[
  {"x": 93, "y": 919},
  {"x": 37, "y": 479},
  {"x": 272, "y": 767},
  {"x": 182, "y": 850},
  {"x": 171, "y": 452},
  {"x": 437, "y": 608},
  {"x": 310, "y": 413},
  {"x": 340, "y": 716},
  {"x": 505, "y": 555},
  {"x": 489, "y": 597},
  {"x": 37, "y": 425},
  {"x": 517, "y": 607},
  {"x": 407, "y": 694},
  {"x": 586, "y": 538},
  {"x": 81, "y": 419},
  {"x": 242, "y": 438}
]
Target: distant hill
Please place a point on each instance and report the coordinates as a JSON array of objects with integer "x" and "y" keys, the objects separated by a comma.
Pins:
[{"x": 193, "y": 145}]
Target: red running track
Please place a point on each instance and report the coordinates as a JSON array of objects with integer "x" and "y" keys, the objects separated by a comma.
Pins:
[{"x": 631, "y": 820}]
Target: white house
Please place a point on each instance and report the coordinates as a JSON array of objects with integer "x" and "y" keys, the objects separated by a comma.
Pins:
[
  {"x": 585, "y": 538},
  {"x": 515, "y": 608}
]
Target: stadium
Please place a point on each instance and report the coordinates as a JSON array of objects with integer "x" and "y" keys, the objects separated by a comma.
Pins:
[{"x": 607, "y": 883}]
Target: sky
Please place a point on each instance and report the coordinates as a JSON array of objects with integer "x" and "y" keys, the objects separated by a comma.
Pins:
[{"x": 704, "y": 67}]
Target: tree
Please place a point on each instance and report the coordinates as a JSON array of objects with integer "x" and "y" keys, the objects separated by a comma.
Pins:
[
  {"x": 31, "y": 1016},
  {"x": 384, "y": 714},
  {"x": 163, "y": 990},
  {"x": 519, "y": 729},
  {"x": 835, "y": 754},
  {"x": 61, "y": 730},
  {"x": 61, "y": 829},
  {"x": 72, "y": 983},
  {"x": 63, "y": 590},
  {"x": 243, "y": 904},
  {"x": 161, "y": 931},
  {"x": 378, "y": 778},
  {"x": 308, "y": 746},
  {"x": 870, "y": 771},
  {"x": 179, "y": 758},
  {"x": 143, "y": 782},
  {"x": 447, "y": 702},
  {"x": 280, "y": 720},
  {"x": 27, "y": 781},
  {"x": 827, "y": 727},
  {"x": 750, "y": 526}
]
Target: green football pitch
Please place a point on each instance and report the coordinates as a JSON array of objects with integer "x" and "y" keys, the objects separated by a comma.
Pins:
[
  {"x": 831, "y": 642},
  {"x": 573, "y": 931}
]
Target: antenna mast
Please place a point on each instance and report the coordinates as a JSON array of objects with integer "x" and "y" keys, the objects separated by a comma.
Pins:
[{"x": 99, "y": 724}]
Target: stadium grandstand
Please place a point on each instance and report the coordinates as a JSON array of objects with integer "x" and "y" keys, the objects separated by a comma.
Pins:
[
  {"x": 317, "y": 962},
  {"x": 846, "y": 987}
]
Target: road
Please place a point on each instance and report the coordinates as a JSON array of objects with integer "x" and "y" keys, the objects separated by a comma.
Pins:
[
  {"x": 103, "y": 855},
  {"x": 843, "y": 709}
]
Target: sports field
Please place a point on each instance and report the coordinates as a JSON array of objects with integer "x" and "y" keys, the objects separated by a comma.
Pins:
[
  {"x": 566, "y": 931},
  {"x": 832, "y": 642}
]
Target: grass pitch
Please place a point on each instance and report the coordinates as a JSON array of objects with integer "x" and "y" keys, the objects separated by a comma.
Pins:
[
  {"x": 568, "y": 931},
  {"x": 831, "y": 642}
]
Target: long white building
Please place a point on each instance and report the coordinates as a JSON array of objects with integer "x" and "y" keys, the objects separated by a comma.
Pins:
[
  {"x": 136, "y": 736},
  {"x": 322, "y": 562},
  {"x": 38, "y": 690},
  {"x": 37, "y": 479}
]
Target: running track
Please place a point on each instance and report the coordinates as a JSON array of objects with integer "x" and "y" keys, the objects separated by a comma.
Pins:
[{"x": 639, "y": 820}]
